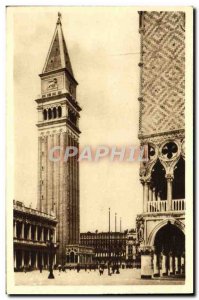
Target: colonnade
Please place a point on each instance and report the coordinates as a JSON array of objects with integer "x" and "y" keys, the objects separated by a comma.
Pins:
[
  {"x": 149, "y": 195},
  {"x": 170, "y": 264},
  {"x": 32, "y": 259},
  {"x": 34, "y": 232}
]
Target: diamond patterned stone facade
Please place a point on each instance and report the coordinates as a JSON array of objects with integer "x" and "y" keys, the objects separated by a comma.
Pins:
[{"x": 162, "y": 86}]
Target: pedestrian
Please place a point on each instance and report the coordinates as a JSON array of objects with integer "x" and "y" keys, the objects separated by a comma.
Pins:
[
  {"x": 78, "y": 268},
  {"x": 59, "y": 268},
  {"x": 100, "y": 271},
  {"x": 113, "y": 269},
  {"x": 40, "y": 268},
  {"x": 64, "y": 269}
]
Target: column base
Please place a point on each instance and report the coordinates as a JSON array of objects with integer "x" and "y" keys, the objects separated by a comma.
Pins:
[
  {"x": 146, "y": 269},
  {"x": 146, "y": 277}
]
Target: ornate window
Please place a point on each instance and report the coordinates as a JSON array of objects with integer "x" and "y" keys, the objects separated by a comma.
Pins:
[{"x": 169, "y": 150}]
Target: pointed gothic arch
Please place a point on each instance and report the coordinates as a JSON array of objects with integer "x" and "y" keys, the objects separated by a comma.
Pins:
[
  {"x": 158, "y": 181},
  {"x": 179, "y": 179}
]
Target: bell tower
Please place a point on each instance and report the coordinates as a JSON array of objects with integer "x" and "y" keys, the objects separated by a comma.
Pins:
[{"x": 58, "y": 126}]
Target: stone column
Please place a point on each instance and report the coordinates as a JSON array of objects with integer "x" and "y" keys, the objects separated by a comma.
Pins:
[
  {"x": 145, "y": 195},
  {"x": 29, "y": 259},
  {"x": 22, "y": 258},
  {"x": 22, "y": 230},
  {"x": 36, "y": 232},
  {"x": 182, "y": 265},
  {"x": 42, "y": 234},
  {"x": 164, "y": 266},
  {"x": 36, "y": 260},
  {"x": 29, "y": 232},
  {"x": 42, "y": 259},
  {"x": 169, "y": 192},
  {"x": 176, "y": 265},
  {"x": 15, "y": 229},
  {"x": 156, "y": 272},
  {"x": 55, "y": 236},
  {"x": 171, "y": 270},
  {"x": 150, "y": 194},
  {"x": 146, "y": 263}
]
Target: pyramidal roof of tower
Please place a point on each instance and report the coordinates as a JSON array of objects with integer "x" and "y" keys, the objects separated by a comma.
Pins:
[{"x": 58, "y": 56}]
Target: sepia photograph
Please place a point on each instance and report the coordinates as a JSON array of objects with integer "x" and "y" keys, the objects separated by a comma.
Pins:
[{"x": 100, "y": 150}]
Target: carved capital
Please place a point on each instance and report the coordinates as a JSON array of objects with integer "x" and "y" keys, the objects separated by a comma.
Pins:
[
  {"x": 169, "y": 177},
  {"x": 146, "y": 250}
]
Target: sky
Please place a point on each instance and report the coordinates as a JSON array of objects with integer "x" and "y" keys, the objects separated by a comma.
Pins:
[{"x": 103, "y": 45}]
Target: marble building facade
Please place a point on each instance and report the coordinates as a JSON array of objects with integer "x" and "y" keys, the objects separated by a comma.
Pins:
[{"x": 161, "y": 225}]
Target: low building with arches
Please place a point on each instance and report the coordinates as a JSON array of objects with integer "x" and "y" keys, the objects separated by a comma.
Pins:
[
  {"x": 32, "y": 232},
  {"x": 161, "y": 225}
]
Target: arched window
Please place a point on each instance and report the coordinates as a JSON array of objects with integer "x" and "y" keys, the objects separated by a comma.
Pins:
[
  {"x": 59, "y": 112},
  {"x": 72, "y": 257},
  {"x": 170, "y": 239},
  {"x": 179, "y": 180},
  {"x": 158, "y": 181},
  {"x": 49, "y": 114},
  {"x": 54, "y": 113},
  {"x": 45, "y": 114}
]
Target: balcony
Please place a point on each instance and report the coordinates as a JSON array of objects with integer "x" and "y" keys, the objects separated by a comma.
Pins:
[{"x": 162, "y": 205}]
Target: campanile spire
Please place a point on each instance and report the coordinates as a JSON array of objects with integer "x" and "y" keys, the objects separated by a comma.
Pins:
[{"x": 58, "y": 56}]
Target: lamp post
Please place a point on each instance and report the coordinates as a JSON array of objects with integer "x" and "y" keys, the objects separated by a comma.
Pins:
[{"x": 51, "y": 248}]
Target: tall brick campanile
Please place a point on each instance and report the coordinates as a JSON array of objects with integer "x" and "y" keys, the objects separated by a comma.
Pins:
[
  {"x": 160, "y": 227},
  {"x": 58, "y": 116}
]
